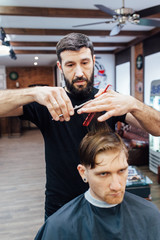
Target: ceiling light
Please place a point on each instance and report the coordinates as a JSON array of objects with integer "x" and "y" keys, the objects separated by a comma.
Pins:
[
  {"x": 35, "y": 63},
  {"x": 36, "y": 58}
]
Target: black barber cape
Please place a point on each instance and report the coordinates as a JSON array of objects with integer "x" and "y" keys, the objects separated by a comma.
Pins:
[{"x": 85, "y": 218}]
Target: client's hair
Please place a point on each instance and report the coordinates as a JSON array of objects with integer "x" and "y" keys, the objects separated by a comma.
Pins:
[{"x": 100, "y": 138}]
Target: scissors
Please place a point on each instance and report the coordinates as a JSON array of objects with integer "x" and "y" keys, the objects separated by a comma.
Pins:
[
  {"x": 78, "y": 106},
  {"x": 91, "y": 115}
]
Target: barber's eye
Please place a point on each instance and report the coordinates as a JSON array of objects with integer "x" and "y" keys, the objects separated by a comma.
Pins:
[
  {"x": 85, "y": 63},
  {"x": 69, "y": 65}
]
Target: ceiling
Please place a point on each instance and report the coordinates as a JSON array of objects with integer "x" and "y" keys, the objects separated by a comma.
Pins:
[{"x": 34, "y": 27}]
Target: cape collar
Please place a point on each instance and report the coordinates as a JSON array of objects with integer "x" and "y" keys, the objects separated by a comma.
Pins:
[{"x": 96, "y": 202}]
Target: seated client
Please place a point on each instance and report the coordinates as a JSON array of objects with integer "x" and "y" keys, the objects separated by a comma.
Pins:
[{"x": 105, "y": 211}]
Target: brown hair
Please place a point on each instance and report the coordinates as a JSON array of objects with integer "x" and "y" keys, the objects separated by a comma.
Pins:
[
  {"x": 98, "y": 141},
  {"x": 73, "y": 42}
]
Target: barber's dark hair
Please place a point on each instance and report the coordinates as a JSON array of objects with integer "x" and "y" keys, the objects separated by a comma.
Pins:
[
  {"x": 97, "y": 141},
  {"x": 73, "y": 42}
]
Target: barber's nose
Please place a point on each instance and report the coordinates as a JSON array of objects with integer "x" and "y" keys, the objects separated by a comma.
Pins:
[
  {"x": 78, "y": 72},
  {"x": 115, "y": 183}
]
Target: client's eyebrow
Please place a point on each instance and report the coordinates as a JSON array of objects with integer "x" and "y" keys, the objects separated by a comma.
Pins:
[{"x": 108, "y": 171}]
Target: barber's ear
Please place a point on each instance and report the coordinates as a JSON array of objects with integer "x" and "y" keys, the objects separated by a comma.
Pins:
[
  {"x": 59, "y": 66},
  {"x": 83, "y": 172}
]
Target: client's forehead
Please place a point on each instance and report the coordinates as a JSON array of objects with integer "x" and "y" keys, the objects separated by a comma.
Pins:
[{"x": 111, "y": 160}]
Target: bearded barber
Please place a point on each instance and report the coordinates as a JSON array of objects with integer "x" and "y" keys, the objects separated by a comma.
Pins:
[{"x": 62, "y": 135}]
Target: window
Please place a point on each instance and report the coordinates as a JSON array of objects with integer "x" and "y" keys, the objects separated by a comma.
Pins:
[
  {"x": 152, "y": 72},
  {"x": 123, "y": 78}
]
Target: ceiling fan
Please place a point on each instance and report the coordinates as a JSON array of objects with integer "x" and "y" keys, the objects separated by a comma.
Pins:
[{"x": 123, "y": 15}]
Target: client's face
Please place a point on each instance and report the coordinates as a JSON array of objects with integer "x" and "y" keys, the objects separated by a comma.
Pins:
[{"x": 107, "y": 180}]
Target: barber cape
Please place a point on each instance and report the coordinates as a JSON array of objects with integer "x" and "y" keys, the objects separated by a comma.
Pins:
[{"x": 85, "y": 218}]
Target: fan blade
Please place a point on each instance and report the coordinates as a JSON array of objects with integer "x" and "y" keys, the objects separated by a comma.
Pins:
[
  {"x": 88, "y": 24},
  {"x": 149, "y": 11},
  {"x": 149, "y": 22},
  {"x": 106, "y": 10},
  {"x": 116, "y": 29}
]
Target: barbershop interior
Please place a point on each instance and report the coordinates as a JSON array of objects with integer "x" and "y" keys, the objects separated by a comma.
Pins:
[{"x": 126, "y": 40}]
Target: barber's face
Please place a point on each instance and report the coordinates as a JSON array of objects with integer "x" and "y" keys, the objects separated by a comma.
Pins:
[
  {"x": 107, "y": 180},
  {"x": 78, "y": 70}
]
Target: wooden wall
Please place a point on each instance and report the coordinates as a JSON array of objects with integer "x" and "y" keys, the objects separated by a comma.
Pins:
[
  {"x": 29, "y": 76},
  {"x": 139, "y": 80}
]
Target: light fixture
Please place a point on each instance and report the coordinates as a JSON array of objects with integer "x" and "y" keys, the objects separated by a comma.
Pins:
[
  {"x": 6, "y": 43},
  {"x": 36, "y": 58},
  {"x": 35, "y": 63},
  {"x": 2, "y": 34},
  {"x": 12, "y": 54}
]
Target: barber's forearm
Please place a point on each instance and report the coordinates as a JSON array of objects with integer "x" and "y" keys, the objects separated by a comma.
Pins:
[
  {"x": 11, "y": 100},
  {"x": 148, "y": 117},
  {"x": 55, "y": 99}
]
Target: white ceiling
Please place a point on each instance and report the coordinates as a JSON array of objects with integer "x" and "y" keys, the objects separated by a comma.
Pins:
[{"x": 33, "y": 22}]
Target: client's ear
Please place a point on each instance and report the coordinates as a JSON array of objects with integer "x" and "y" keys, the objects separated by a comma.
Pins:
[{"x": 82, "y": 171}]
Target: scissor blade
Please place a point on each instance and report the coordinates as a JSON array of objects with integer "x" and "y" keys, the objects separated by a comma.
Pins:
[
  {"x": 81, "y": 105},
  {"x": 78, "y": 106}
]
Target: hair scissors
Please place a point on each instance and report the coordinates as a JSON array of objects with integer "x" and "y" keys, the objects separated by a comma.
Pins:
[
  {"x": 78, "y": 106},
  {"x": 91, "y": 115}
]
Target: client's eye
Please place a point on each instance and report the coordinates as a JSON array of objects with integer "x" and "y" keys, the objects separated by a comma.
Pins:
[
  {"x": 104, "y": 174},
  {"x": 123, "y": 170}
]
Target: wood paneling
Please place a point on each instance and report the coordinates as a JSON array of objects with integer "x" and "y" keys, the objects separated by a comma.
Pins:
[
  {"x": 68, "y": 13},
  {"x": 140, "y": 39},
  {"x": 54, "y": 52},
  {"x": 33, "y": 31},
  {"x": 53, "y": 12},
  {"x": 139, "y": 82},
  {"x": 71, "y": 13},
  {"x": 123, "y": 56},
  {"x": 53, "y": 44},
  {"x": 27, "y": 76},
  {"x": 154, "y": 42}
]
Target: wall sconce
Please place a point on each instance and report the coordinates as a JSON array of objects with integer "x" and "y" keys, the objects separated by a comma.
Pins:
[{"x": 17, "y": 84}]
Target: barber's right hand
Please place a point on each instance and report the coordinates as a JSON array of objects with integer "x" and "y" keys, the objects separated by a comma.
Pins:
[{"x": 56, "y": 100}]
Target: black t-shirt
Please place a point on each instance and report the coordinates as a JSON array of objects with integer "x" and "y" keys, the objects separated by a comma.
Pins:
[{"x": 62, "y": 140}]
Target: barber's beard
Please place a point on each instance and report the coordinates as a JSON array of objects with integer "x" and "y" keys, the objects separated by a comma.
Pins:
[{"x": 80, "y": 92}]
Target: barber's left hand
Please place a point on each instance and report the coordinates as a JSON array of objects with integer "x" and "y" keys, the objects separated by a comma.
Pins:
[{"x": 111, "y": 102}]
